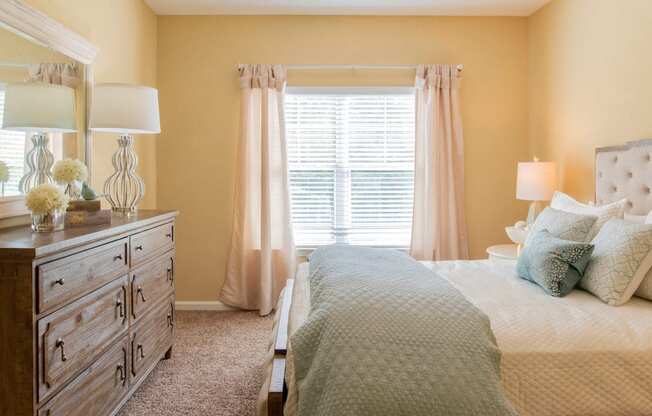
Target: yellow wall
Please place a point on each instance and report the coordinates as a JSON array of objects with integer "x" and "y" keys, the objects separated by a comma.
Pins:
[
  {"x": 125, "y": 33},
  {"x": 198, "y": 87},
  {"x": 590, "y": 66}
]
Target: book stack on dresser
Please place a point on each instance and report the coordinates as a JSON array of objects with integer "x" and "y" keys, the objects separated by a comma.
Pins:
[{"x": 85, "y": 314}]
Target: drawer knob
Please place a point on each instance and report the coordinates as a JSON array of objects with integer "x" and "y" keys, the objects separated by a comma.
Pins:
[
  {"x": 139, "y": 248},
  {"x": 170, "y": 320},
  {"x": 140, "y": 348},
  {"x": 121, "y": 370},
  {"x": 60, "y": 281},
  {"x": 170, "y": 274},
  {"x": 118, "y": 257},
  {"x": 168, "y": 235},
  {"x": 61, "y": 344},
  {"x": 139, "y": 291}
]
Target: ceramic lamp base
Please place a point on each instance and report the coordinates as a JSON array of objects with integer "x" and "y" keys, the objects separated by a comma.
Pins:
[
  {"x": 124, "y": 189},
  {"x": 533, "y": 212}
]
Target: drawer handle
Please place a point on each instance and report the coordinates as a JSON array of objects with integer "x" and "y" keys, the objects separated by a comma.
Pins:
[
  {"x": 121, "y": 369},
  {"x": 170, "y": 320},
  {"x": 139, "y": 291},
  {"x": 140, "y": 348},
  {"x": 139, "y": 248},
  {"x": 168, "y": 235},
  {"x": 170, "y": 274},
  {"x": 59, "y": 282},
  {"x": 118, "y": 257},
  {"x": 61, "y": 344},
  {"x": 120, "y": 305}
]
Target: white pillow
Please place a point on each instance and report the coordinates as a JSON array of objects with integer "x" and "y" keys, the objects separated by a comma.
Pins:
[
  {"x": 638, "y": 219},
  {"x": 621, "y": 258},
  {"x": 645, "y": 289},
  {"x": 564, "y": 202}
]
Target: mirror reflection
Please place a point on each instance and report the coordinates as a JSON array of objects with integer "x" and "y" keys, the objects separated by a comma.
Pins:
[{"x": 42, "y": 112}]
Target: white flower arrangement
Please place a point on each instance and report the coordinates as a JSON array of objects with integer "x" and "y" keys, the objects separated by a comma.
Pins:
[
  {"x": 4, "y": 172},
  {"x": 67, "y": 171},
  {"x": 46, "y": 199}
]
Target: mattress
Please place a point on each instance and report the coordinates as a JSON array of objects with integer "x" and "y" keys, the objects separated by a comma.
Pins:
[{"x": 560, "y": 356}]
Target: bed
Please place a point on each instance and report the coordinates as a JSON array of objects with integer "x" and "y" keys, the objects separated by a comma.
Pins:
[{"x": 560, "y": 356}]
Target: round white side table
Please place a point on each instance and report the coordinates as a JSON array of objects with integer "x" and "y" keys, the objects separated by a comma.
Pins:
[{"x": 503, "y": 252}]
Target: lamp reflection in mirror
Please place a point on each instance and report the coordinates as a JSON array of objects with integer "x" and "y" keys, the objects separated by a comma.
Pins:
[
  {"x": 38, "y": 109},
  {"x": 535, "y": 181},
  {"x": 126, "y": 110}
]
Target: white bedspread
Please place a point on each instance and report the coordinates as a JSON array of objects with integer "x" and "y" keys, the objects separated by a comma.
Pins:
[{"x": 561, "y": 356}]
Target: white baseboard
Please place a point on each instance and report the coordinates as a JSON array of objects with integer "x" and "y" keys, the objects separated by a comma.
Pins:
[{"x": 209, "y": 305}]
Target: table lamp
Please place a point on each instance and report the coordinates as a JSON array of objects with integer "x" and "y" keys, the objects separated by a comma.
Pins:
[
  {"x": 126, "y": 110},
  {"x": 38, "y": 109},
  {"x": 535, "y": 181}
]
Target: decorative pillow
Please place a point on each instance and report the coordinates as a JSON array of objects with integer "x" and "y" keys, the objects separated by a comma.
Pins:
[
  {"x": 554, "y": 264},
  {"x": 621, "y": 258},
  {"x": 561, "y": 224},
  {"x": 564, "y": 202},
  {"x": 645, "y": 289}
]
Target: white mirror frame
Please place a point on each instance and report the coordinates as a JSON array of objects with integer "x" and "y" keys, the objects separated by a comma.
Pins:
[{"x": 26, "y": 20}]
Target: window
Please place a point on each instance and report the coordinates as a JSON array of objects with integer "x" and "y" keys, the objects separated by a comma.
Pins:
[
  {"x": 351, "y": 165},
  {"x": 12, "y": 150}
]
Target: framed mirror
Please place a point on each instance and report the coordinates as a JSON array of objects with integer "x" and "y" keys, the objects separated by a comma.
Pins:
[{"x": 40, "y": 60}]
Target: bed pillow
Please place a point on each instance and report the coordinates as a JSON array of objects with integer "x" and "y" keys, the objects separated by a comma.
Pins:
[
  {"x": 604, "y": 213},
  {"x": 645, "y": 289},
  {"x": 561, "y": 224},
  {"x": 552, "y": 263},
  {"x": 621, "y": 259}
]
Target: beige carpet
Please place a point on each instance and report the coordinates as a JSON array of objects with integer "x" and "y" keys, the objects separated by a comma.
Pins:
[{"x": 215, "y": 367}]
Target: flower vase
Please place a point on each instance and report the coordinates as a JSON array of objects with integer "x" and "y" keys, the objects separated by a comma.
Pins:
[{"x": 46, "y": 223}]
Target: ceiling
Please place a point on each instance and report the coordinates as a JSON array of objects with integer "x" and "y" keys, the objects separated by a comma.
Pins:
[{"x": 350, "y": 7}]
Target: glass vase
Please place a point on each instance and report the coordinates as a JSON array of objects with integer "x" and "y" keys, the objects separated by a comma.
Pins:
[{"x": 47, "y": 223}]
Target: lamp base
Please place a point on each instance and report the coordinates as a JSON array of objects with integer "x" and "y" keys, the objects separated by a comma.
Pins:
[
  {"x": 39, "y": 161},
  {"x": 533, "y": 212},
  {"x": 124, "y": 189}
]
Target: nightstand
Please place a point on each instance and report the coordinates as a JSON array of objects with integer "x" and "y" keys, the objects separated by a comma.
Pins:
[{"x": 503, "y": 252}]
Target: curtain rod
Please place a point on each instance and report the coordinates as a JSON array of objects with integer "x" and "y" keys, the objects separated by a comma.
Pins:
[
  {"x": 354, "y": 66},
  {"x": 13, "y": 64}
]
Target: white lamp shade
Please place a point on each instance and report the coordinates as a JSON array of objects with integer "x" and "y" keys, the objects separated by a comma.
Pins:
[
  {"x": 125, "y": 109},
  {"x": 37, "y": 107},
  {"x": 536, "y": 181}
]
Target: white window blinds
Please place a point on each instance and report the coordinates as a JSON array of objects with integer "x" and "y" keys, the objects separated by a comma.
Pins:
[
  {"x": 351, "y": 162},
  {"x": 12, "y": 149}
]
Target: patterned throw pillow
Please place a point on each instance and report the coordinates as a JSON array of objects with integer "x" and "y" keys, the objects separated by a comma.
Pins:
[
  {"x": 554, "y": 264},
  {"x": 645, "y": 289},
  {"x": 622, "y": 257},
  {"x": 604, "y": 213},
  {"x": 561, "y": 224}
]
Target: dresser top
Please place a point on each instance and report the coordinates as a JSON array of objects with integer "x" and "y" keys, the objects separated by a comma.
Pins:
[{"x": 21, "y": 241}]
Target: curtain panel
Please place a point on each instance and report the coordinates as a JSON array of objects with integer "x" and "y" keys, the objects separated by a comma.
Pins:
[
  {"x": 262, "y": 254},
  {"x": 438, "y": 222},
  {"x": 55, "y": 73}
]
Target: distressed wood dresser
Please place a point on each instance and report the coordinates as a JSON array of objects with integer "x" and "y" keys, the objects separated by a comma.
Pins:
[{"x": 85, "y": 314}]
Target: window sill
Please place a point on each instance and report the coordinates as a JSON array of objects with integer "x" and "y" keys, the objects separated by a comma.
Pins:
[{"x": 305, "y": 251}]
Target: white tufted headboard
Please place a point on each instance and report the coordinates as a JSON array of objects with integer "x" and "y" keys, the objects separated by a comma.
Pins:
[{"x": 625, "y": 172}]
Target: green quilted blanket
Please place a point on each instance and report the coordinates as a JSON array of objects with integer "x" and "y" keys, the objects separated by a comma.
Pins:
[{"x": 386, "y": 336}]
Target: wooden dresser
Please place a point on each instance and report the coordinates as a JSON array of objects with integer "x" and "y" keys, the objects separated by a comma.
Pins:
[{"x": 85, "y": 314}]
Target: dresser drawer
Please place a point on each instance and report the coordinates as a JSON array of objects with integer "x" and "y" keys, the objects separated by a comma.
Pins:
[
  {"x": 98, "y": 390},
  {"x": 64, "y": 280},
  {"x": 152, "y": 242},
  {"x": 150, "y": 283},
  {"x": 71, "y": 338},
  {"x": 151, "y": 338}
]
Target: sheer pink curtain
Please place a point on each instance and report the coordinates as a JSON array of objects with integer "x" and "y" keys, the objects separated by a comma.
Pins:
[
  {"x": 438, "y": 223},
  {"x": 262, "y": 255}
]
